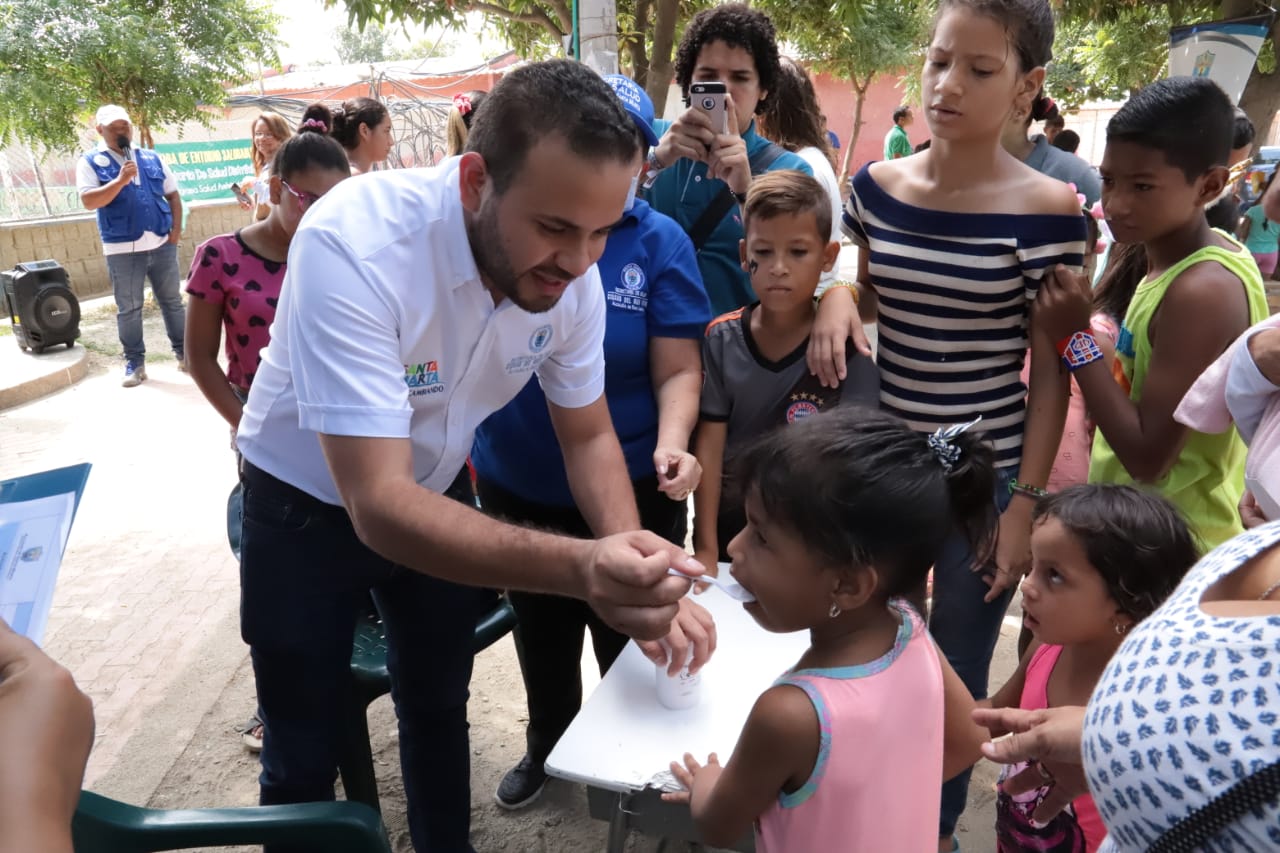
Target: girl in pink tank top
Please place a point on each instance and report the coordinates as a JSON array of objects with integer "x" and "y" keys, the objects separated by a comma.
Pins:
[
  {"x": 1103, "y": 558},
  {"x": 846, "y": 511}
]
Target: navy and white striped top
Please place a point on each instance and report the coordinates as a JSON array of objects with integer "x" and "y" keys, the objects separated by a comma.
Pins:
[{"x": 955, "y": 293}]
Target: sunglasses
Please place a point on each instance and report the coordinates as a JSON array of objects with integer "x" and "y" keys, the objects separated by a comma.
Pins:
[{"x": 305, "y": 199}]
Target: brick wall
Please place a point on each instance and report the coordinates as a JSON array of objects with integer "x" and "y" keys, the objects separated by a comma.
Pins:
[{"x": 73, "y": 242}]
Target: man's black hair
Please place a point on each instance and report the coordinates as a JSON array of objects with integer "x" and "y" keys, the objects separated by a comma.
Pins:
[
  {"x": 541, "y": 98},
  {"x": 1067, "y": 140},
  {"x": 737, "y": 25},
  {"x": 1188, "y": 119},
  {"x": 900, "y": 113}
]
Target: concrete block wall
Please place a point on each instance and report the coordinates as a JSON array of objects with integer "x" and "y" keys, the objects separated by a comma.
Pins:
[{"x": 73, "y": 242}]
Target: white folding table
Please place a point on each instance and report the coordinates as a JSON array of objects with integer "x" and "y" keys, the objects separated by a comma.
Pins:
[{"x": 621, "y": 743}]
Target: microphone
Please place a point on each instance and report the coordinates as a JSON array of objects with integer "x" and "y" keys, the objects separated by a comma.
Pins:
[{"x": 122, "y": 142}]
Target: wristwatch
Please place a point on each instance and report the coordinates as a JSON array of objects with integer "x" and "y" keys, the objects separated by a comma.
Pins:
[{"x": 651, "y": 160}]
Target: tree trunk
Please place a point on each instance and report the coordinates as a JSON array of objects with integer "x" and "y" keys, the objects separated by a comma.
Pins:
[
  {"x": 859, "y": 98},
  {"x": 1260, "y": 100},
  {"x": 635, "y": 45},
  {"x": 667, "y": 15}
]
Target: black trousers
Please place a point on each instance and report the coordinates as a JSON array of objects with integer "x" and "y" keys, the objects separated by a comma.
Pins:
[{"x": 551, "y": 629}]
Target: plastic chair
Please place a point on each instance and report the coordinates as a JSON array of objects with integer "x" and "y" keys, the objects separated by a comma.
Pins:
[
  {"x": 102, "y": 825},
  {"x": 370, "y": 676}
]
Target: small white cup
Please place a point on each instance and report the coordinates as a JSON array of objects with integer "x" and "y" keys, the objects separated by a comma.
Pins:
[{"x": 680, "y": 691}]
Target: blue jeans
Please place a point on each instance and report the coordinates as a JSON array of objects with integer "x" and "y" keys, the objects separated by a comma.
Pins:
[
  {"x": 304, "y": 575},
  {"x": 128, "y": 273},
  {"x": 966, "y": 630}
]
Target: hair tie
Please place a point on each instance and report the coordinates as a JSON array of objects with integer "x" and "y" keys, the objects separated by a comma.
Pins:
[
  {"x": 317, "y": 124},
  {"x": 462, "y": 103},
  {"x": 947, "y": 453}
]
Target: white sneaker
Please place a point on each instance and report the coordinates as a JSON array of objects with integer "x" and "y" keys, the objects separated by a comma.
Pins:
[{"x": 135, "y": 373}]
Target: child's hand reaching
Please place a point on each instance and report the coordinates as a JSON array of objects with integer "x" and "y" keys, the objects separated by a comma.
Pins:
[
  {"x": 1064, "y": 303},
  {"x": 689, "y": 773}
]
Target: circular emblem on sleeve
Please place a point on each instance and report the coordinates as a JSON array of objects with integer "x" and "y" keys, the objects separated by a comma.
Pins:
[
  {"x": 800, "y": 410},
  {"x": 633, "y": 277},
  {"x": 540, "y": 338}
]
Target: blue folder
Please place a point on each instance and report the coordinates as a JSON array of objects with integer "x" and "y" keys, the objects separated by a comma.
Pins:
[{"x": 46, "y": 483}]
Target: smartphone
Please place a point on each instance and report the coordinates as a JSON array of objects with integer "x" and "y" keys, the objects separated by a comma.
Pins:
[
  {"x": 710, "y": 98},
  {"x": 241, "y": 195}
]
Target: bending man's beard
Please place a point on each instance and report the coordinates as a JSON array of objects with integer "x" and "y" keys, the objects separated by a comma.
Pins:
[{"x": 494, "y": 263}]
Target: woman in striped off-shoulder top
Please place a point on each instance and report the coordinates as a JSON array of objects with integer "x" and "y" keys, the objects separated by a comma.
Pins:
[{"x": 953, "y": 243}]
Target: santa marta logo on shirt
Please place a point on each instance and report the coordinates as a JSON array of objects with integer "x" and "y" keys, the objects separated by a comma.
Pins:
[
  {"x": 537, "y": 343},
  {"x": 630, "y": 293},
  {"x": 423, "y": 378}
]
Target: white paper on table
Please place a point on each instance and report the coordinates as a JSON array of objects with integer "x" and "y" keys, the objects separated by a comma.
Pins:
[{"x": 33, "y": 535}]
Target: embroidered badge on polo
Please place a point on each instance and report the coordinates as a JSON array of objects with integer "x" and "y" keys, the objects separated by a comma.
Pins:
[
  {"x": 540, "y": 338},
  {"x": 632, "y": 277}
]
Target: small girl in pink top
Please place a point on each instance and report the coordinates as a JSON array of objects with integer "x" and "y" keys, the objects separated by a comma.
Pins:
[
  {"x": 1103, "y": 558},
  {"x": 846, "y": 512}
]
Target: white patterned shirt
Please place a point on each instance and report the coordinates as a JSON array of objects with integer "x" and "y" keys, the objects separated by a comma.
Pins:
[{"x": 1188, "y": 706}]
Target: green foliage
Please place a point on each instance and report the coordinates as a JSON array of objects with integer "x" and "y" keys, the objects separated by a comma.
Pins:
[
  {"x": 532, "y": 27},
  {"x": 161, "y": 60},
  {"x": 853, "y": 39},
  {"x": 1108, "y": 57},
  {"x": 367, "y": 45}
]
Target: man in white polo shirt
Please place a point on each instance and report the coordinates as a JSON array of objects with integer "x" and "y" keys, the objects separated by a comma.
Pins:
[{"x": 418, "y": 302}]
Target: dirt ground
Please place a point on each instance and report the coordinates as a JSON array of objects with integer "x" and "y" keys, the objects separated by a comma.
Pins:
[{"x": 212, "y": 768}]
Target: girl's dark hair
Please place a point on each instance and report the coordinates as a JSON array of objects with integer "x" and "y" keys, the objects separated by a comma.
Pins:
[
  {"x": 1028, "y": 24},
  {"x": 861, "y": 489},
  {"x": 348, "y": 117},
  {"x": 1126, "y": 267},
  {"x": 792, "y": 117},
  {"x": 737, "y": 25},
  {"x": 1138, "y": 542},
  {"x": 311, "y": 147}
]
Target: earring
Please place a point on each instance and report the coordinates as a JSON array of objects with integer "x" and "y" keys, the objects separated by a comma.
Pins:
[
  {"x": 1121, "y": 629},
  {"x": 835, "y": 610}
]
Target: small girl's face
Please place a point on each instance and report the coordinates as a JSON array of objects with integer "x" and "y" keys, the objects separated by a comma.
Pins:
[
  {"x": 972, "y": 82},
  {"x": 793, "y": 592},
  {"x": 1064, "y": 599},
  {"x": 379, "y": 139}
]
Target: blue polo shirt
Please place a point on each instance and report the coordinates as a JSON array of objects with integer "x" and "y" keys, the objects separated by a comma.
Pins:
[
  {"x": 652, "y": 290},
  {"x": 683, "y": 190}
]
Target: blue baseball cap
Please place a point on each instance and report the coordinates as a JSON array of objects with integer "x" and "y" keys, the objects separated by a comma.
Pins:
[{"x": 637, "y": 102}]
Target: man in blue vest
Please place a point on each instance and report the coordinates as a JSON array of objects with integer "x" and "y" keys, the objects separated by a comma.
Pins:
[{"x": 140, "y": 220}]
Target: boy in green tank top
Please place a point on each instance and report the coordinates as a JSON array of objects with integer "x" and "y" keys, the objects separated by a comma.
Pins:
[{"x": 1166, "y": 159}]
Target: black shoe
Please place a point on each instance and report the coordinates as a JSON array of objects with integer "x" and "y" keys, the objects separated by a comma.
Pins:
[{"x": 522, "y": 784}]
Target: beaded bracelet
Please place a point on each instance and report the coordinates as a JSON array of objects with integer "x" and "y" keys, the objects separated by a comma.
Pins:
[
  {"x": 1079, "y": 349},
  {"x": 1016, "y": 488}
]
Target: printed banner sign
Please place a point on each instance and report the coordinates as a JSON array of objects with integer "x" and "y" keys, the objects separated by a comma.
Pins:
[
  {"x": 206, "y": 170},
  {"x": 1223, "y": 51}
]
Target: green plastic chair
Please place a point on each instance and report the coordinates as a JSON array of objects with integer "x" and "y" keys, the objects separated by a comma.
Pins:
[
  {"x": 103, "y": 825},
  {"x": 370, "y": 676}
]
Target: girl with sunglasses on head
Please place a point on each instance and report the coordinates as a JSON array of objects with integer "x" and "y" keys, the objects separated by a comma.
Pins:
[{"x": 235, "y": 278}]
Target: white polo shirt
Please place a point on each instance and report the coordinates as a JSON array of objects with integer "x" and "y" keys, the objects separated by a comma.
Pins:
[{"x": 384, "y": 329}]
